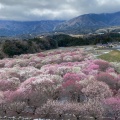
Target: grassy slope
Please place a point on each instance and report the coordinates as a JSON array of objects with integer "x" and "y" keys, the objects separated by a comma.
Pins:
[{"x": 113, "y": 56}]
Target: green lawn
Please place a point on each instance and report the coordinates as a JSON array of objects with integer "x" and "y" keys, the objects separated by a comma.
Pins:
[{"x": 113, "y": 56}]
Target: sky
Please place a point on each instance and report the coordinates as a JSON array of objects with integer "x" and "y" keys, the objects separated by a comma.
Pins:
[{"x": 35, "y": 10}]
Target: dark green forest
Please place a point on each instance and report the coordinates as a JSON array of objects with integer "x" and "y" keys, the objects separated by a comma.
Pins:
[{"x": 9, "y": 48}]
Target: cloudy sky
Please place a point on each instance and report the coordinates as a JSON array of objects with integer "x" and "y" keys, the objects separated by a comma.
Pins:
[{"x": 54, "y": 9}]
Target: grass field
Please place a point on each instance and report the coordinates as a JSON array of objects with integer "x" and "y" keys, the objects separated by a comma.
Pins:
[{"x": 113, "y": 56}]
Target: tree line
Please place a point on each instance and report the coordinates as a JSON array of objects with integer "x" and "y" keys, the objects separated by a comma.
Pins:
[{"x": 9, "y": 48}]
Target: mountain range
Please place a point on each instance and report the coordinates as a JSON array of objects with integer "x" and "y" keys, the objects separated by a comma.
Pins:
[
  {"x": 89, "y": 23},
  {"x": 14, "y": 28},
  {"x": 86, "y": 23}
]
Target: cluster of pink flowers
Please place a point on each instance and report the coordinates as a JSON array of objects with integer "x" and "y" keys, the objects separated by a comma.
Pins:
[{"x": 61, "y": 82}]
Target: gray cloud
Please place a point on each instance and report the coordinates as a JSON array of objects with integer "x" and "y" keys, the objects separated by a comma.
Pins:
[{"x": 53, "y": 9}]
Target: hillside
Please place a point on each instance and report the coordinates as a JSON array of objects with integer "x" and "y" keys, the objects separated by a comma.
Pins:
[
  {"x": 10, "y": 46},
  {"x": 59, "y": 84},
  {"x": 89, "y": 23},
  {"x": 13, "y": 28}
]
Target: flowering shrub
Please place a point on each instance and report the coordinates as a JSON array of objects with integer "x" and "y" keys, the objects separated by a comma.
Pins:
[
  {"x": 52, "y": 109},
  {"x": 68, "y": 81},
  {"x": 110, "y": 79},
  {"x": 113, "y": 107},
  {"x": 103, "y": 65},
  {"x": 97, "y": 90},
  {"x": 94, "y": 108},
  {"x": 73, "y": 76}
]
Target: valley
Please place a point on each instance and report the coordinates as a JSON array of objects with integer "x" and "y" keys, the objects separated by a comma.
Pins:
[{"x": 60, "y": 69}]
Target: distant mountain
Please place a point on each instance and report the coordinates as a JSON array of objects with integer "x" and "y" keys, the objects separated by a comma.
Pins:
[
  {"x": 13, "y": 28},
  {"x": 89, "y": 23}
]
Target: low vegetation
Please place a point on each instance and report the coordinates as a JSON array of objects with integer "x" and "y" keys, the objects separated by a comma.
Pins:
[
  {"x": 59, "y": 84},
  {"x": 113, "y": 56}
]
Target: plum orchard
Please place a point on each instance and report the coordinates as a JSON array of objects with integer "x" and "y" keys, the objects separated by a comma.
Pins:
[{"x": 57, "y": 83}]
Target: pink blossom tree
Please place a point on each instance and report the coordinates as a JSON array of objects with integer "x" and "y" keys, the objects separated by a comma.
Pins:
[
  {"x": 94, "y": 108},
  {"x": 103, "y": 65},
  {"x": 16, "y": 108},
  {"x": 3, "y": 105},
  {"x": 72, "y": 76},
  {"x": 75, "y": 109},
  {"x": 97, "y": 90},
  {"x": 58, "y": 110},
  {"x": 39, "y": 89},
  {"x": 109, "y": 79},
  {"x": 3, "y": 109},
  {"x": 71, "y": 88},
  {"x": 9, "y": 84},
  {"x": 113, "y": 107},
  {"x": 51, "y": 110}
]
